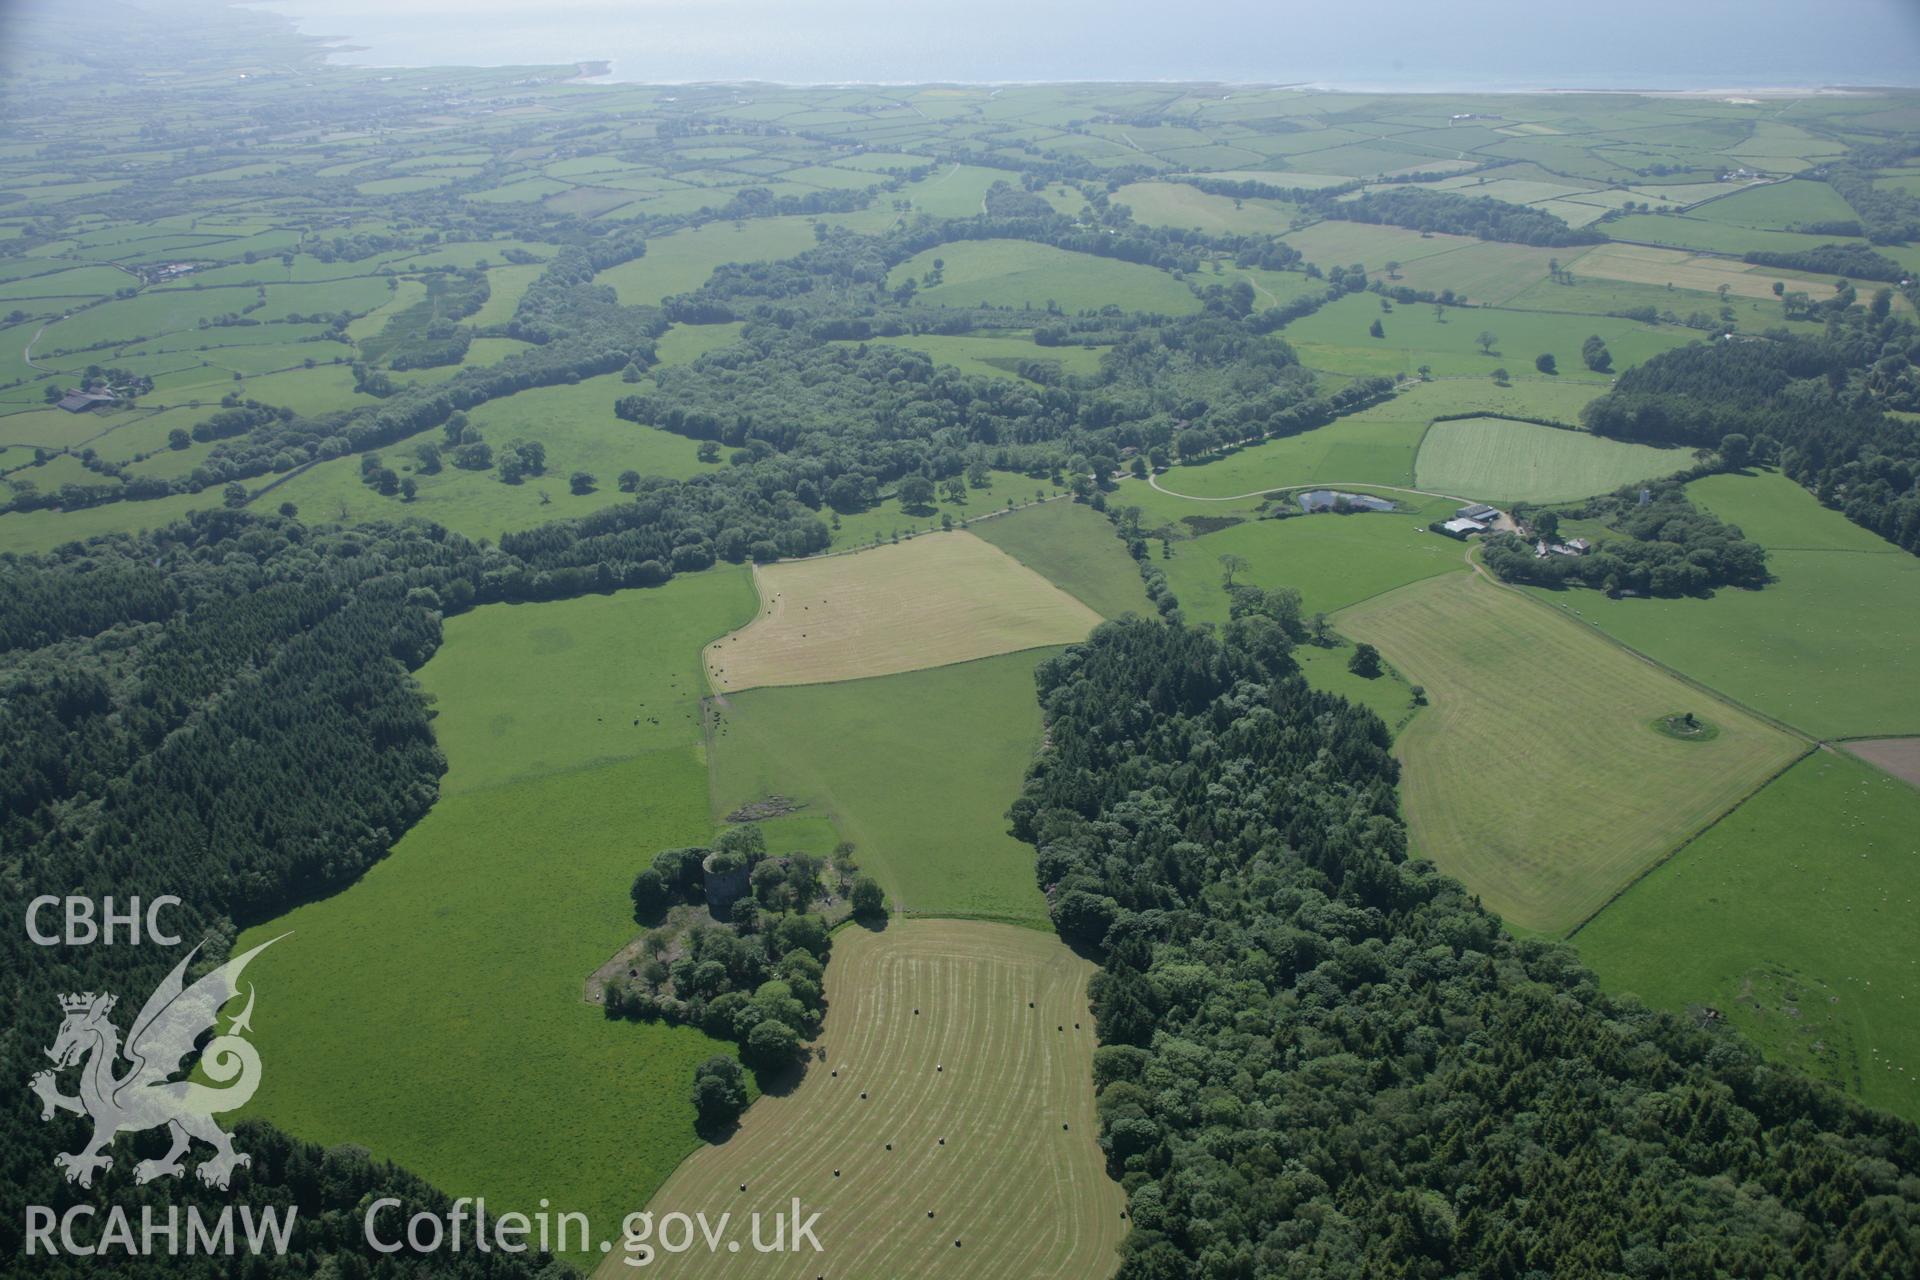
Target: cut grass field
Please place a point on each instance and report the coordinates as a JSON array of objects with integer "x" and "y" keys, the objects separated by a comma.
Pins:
[
  {"x": 471, "y": 940},
  {"x": 1500, "y": 460},
  {"x": 1075, "y": 548},
  {"x": 917, "y": 770},
  {"x": 1021, "y": 274},
  {"x": 930, "y": 1045},
  {"x": 1641, "y": 264},
  {"x": 1535, "y": 776},
  {"x": 936, "y": 599},
  {"x": 1828, "y": 647},
  {"x": 1793, "y": 916}
]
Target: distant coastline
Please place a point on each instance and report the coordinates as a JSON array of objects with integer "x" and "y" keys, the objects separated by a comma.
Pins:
[{"x": 628, "y": 51}]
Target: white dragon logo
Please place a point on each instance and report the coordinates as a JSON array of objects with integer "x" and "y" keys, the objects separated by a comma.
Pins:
[{"x": 146, "y": 1097}]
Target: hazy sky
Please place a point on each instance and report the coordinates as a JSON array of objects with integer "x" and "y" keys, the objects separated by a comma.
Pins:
[
  {"x": 1403, "y": 44},
  {"x": 1500, "y": 43}
]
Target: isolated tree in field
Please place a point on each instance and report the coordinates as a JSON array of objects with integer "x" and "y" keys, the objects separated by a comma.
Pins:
[
  {"x": 408, "y": 488},
  {"x": 1393, "y": 269},
  {"x": 866, "y": 898},
  {"x": 1501, "y": 376},
  {"x": 1231, "y": 564},
  {"x": 1487, "y": 340},
  {"x": 288, "y": 510},
  {"x": 1545, "y": 363},
  {"x": 581, "y": 482},
  {"x": 179, "y": 439},
  {"x": 1594, "y": 352},
  {"x": 1779, "y": 288},
  {"x": 709, "y": 451},
  {"x": 629, "y": 480},
  {"x": 1377, "y": 330},
  {"x": 1735, "y": 449},
  {"x": 1365, "y": 661}
]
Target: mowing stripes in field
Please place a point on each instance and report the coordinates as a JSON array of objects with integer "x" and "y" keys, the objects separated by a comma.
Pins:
[
  {"x": 1535, "y": 776},
  {"x": 1499, "y": 460},
  {"x": 930, "y": 1021}
]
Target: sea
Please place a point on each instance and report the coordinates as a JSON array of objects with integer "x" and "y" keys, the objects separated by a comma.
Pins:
[{"x": 1402, "y": 46}]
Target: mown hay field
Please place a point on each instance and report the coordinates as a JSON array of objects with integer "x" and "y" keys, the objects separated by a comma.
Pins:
[
  {"x": 1535, "y": 775},
  {"x": 1499, "y": 460},
  {"x": 927, "y": 602},
  {"x": 969, "y": 1048}
]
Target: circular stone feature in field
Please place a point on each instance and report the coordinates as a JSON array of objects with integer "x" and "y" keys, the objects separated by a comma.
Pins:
[{"x": 1687, "y": 727}]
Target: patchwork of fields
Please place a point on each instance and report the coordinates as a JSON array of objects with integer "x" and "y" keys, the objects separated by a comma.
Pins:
[
  {"x": 943, "y": 1128},
  {"x": 572, "y": 736},
  {"x": 1536, "y": 775},
  {"x": 1779, "y": 649},
  {"x": 1792, "y": 917}
]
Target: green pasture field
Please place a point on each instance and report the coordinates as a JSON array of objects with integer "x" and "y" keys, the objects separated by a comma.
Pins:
[
  {"x": 1499, "y": 460},
  {"x": 1792, "y": 916},
  {"x": 70, "y": 283},
  {"x": 1333, "y": 243},
  {"x": 1378, "y": 444},
  {"x": 1692, "y": 231},
  {"x": 682, "y": 261},
  {"x": 1075, "y": 548},
  {"x": 1175, "y": 204},
  {"x": 685, "y": 343},
  {"x": 576, "y": 424},
  {"x": 1779, "y": 206},
  {"x": 1021, "y": 274},
  {"x": 1827, "y": 647},
  {"x": 505, "y": 285},
  {"x": 1332, "y": 560},
  {"x": 887, "y": 520},
  {"x": 1483, "y": 271},
  {"x": 967, "y": 1047},
  {"x": 1535, "y": 776},
  {"x": 916, "y": 769},
  {"x": 26, "y": 531},
  {"x": 1593, "y": 295},
  {"x": 1337, "y": 338},
  {"x": 997, "y": 356},
  {"x": 1387, "y": 695},
  {"x": 473, "y": 940}
]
